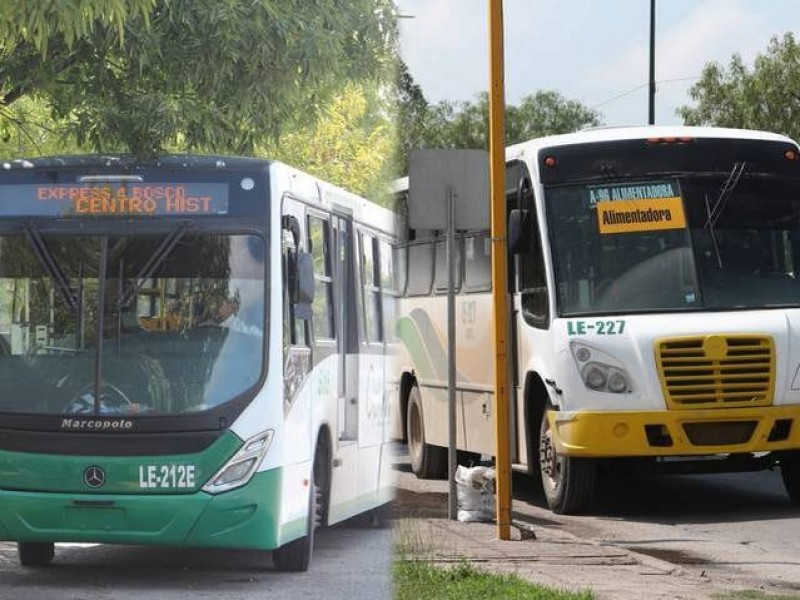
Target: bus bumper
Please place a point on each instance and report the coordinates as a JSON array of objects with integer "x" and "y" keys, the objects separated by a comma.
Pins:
[
  {"x": 675, "y": 433},
  {"x": 247, "y": 517}
]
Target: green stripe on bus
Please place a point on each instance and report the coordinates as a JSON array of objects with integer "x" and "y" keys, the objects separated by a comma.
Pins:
[
  {"x": 246, "y": 517},
  {"x": 150, "y": 475}
]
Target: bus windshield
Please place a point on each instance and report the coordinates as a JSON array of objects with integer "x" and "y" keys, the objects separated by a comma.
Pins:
[
  {"x": 689, "y": 242},
  {"x": 182, "y": 325}
]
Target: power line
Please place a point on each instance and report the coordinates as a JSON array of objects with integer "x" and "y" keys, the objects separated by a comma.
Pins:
[{"x": 639, "y": 87}]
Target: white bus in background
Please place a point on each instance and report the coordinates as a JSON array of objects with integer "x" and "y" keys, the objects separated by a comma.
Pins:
[
  {"x": 196, "y": 351},
  {"x": 655, "y": 312}
]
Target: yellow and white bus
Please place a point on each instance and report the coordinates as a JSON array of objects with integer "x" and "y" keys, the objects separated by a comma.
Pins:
[
  {"x": 654, "y": 289},
  {"x": 191, "y": 352}
]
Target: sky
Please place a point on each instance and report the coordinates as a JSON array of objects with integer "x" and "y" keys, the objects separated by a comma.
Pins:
[{"x": 593, "y": 51}]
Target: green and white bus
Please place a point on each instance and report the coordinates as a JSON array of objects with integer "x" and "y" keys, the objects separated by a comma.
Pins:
[
  {"x": 191, "y": 354},
  {"x": 655, "y": 312}
]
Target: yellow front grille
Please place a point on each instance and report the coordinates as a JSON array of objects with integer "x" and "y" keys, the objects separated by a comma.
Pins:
[{"x": 718, "y": 370}]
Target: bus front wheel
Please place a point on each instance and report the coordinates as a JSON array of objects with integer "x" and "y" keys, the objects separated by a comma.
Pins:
[
  {"x": 790, "y": 471},
  {"x": 296, "y": 555},
  {"x": 36, "y": 554},
  {"x": 568, "y": 482},
  {"x": 427, "y": 461}
]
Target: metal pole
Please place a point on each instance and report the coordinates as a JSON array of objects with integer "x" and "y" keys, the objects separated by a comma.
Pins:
[
  {"x": 497, "y": 174},
  {"x": 651, "y": 119},
  {"x": 451, "y": 355}
]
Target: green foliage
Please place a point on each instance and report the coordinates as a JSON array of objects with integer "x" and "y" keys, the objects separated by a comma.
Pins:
[
  {"x": 764, "y": 97},
  {"x": 411, "y": 117},
  {"x": 349, "y": 145},
  {"x": 216, "y": 75},
  {"x": 65, "y": 21},
  {"x": 466, "y": 124},
  {"x": 27, "y": 129},
  {"x": 417, "y": 579}
]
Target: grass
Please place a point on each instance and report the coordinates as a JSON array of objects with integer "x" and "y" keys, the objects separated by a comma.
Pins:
[
  {"x": 414, "y": 540},
  {"x": 415, "y": 579}
]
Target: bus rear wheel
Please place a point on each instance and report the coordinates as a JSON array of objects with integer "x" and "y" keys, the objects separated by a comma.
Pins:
[
  {"x": 568, "y": 482},
  {"x": 790, "y": 472},
  {"x": 36, "y": 554},
  {"x": 427, "y": 461}
]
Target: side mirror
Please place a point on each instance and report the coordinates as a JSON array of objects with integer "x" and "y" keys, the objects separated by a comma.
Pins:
[
  {"x": 519, "y": 231},
  {"x": 300, "y": 281},
  {"x": 305, "y": 278}
]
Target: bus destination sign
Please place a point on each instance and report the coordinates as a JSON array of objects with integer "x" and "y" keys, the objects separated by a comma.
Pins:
[
  {"x": 118, "y": 199},
  {"x": 630, "y": 208}
]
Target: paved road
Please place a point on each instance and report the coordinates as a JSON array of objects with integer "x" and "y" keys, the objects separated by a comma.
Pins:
[
  {"x": 743, "y": 522},
  {"x": 739, "y": 529},
  {"x": 351, "y": 561}
]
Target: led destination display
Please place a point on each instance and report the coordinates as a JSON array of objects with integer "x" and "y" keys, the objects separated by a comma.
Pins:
[{"x": 114, "y": 199}]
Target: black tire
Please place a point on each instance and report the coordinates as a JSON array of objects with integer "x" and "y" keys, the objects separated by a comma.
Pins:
[
  {"x": 296, "y": 555},
  {"x": 36, "y": 554},
  {"x": 568, "y": 482},
  {"x": 790, "y": 471},
  {"x": 427, "y": 461},
  {"x": 467, "y": 458}
]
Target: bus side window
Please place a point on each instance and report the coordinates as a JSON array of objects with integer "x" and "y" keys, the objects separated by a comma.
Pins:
[
  {"x": 319, "y": 241},
  {"x": 477, "y": 262},
  {"x": 370, "y": 284},
  {"x": 391, "y": 285},
  {"x": 420, "y": 268},
  {"x": 295, "y": 329},
  {"x": 533, "y": 280},
  {"x": 531, "y": 275},
  {"x": 440, "y": 279}
]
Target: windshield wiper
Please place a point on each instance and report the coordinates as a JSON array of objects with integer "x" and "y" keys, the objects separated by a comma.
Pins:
[
  {"x": 725, "y": 193},
  {"x": 719, "y": 205},
  {"x": 49, "y": 264},
  {"x": 159, "y": 255}
]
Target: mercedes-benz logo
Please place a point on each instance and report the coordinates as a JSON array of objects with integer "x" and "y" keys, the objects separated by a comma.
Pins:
[{"x": 94, "y": 477}]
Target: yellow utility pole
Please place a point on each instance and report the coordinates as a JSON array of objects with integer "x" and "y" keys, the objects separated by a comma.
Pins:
[{"x": 497, "y": 174}]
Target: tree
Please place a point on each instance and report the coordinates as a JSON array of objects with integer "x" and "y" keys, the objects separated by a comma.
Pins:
[
  {"x": 411, "y": 112},
  {"x": 764, "y": 97},
  {"x": 466, "y": 124},
  {"x": 28, "y": 129},
  {"x": 141, "y": 75},
  {"x": 350, "y": 144}
]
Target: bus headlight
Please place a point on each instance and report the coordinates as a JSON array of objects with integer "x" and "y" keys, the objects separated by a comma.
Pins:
[
  {"x": 599, "y": 370},
  {"x": 594, "y": 376},
  {"x": 617, "y": 382},
  {"x": 241, "y": 467},
  {"x": 601, "y": 377}
]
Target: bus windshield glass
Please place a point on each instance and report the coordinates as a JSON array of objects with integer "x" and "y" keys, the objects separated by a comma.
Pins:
[
  {"x": 157, "y": 324},
  {"x": 688, "y": 242}
]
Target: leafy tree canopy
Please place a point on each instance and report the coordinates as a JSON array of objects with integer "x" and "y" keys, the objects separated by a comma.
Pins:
[
  {"x": 762, "y": 97},
  {"x": 466, "y": 124},
  {"x": 350, "y": 144},
  {"x": 220, "y": 75},
  {"x": 63, "y": 21}
]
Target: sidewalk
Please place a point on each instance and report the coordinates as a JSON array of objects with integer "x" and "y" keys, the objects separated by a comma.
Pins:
[
  {"x": 540, "y": 551},
  {"x": 552, "y": 559}
]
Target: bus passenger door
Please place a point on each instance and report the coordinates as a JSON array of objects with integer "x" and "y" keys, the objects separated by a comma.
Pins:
[
  {"x": 372, "y": 343},
  {"x": 530, "y": 319},
  {"x": 347, "y": 330}
]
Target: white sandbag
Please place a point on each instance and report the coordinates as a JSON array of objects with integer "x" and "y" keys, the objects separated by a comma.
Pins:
[{"x": 475, "y": 493}]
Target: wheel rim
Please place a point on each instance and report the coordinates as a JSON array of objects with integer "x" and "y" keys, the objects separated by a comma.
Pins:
[
  {"x": 317, "y": 508},
  {"x": 414, "y": 434},
  {"x": 550, "y": 464}
]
